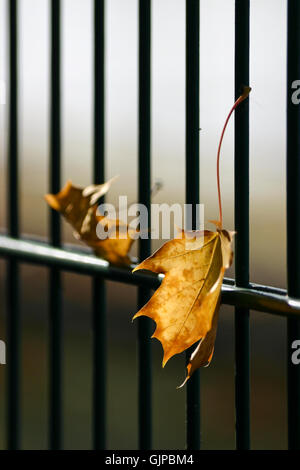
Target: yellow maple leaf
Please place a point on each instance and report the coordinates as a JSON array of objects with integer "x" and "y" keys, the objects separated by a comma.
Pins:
[{"x": 186, "y": 305}]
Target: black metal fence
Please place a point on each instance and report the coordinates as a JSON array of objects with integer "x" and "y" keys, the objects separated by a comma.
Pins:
[{"x": 239, "y": 292}]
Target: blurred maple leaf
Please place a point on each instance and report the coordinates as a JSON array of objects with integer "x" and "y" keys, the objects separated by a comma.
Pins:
[{"x": 79, "y": 207}]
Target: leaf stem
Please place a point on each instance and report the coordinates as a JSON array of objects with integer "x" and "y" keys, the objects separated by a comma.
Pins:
[{"x": 241, "y": 98}]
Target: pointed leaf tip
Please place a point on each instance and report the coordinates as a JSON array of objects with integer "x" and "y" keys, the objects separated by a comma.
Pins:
[{"x": 183, "y": 383}]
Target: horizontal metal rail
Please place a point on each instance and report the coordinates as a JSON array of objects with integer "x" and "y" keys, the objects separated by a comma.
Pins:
[{"x": 72, "y": 258}]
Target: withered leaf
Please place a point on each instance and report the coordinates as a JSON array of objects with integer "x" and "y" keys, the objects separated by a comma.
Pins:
[
  {"x": 185, "y": 307},
  {"x": 79, "y": 207}
]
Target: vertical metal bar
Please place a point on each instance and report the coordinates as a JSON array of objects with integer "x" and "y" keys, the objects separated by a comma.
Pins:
[
  {"x": 55, "y": 310},
  {"x": 99, "y": 90},
  {"x": 241, "y": 147},
  {"x": 13, "y": 320},
  {"x": 144, "y": 195},
  {"x": 293, "y": 211},
  {"x": 13, "y": 187},
  {"x": 192, "y": 189},
  {"x": 98, "y": 284}
]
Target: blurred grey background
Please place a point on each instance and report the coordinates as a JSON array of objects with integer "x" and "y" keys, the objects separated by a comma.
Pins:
[{"x": 267, "y": 204}]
